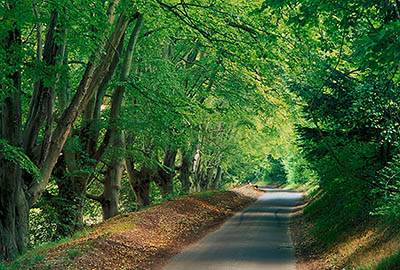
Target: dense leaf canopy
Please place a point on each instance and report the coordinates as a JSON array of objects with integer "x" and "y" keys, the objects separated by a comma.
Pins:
[{"x": 117, "y": 104}]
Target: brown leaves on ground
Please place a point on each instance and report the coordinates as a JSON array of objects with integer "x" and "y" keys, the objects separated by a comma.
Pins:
[
  {"x": 147, "y": 239},
  {"x": 309, "y": 256}
]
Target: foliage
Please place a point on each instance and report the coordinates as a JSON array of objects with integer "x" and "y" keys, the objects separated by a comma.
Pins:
[
  {"x": 42, "y": 224},
  {"x": 298, "y": 170},
  {"x": 347, "y": 207},
  {"x": 303, "y": 92},
  {"x": 16, "y": 155},
  {"x": 388, "y": 205},
  {"x": 392, "y": 262}
]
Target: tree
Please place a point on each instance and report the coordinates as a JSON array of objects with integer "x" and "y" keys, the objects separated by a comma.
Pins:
[
  {"x": 188, "y": 103},
  {"x": 22, "y": 191},
  {"x": 112, "y": 180}
]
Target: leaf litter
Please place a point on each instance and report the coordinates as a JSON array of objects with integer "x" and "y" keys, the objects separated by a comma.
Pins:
[{"x": 148, "y": 239}]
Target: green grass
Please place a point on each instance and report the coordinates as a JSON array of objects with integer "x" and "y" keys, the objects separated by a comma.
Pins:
[
  {"x": 32, "y": 257},
  {"x": 76, "y": 235},
  {"x": 25, "y": 261},
  {"x": 390, "y": 263},
  {"x": 72, "y": 253}
]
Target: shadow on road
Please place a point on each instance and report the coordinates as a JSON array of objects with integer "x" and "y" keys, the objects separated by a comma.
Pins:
[
  {"x": 257, "y": 238},
  {"x": 271, "y": 189}
]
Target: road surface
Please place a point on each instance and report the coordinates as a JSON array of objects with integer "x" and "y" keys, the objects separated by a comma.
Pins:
[{"x": 256, "y": 238}]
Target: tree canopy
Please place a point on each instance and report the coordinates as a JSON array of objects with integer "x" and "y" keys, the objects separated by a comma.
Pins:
[{"x": 115, "y": 104}]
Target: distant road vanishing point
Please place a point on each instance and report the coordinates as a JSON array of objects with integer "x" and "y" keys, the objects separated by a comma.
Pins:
[{"x": 256, "y": 238}]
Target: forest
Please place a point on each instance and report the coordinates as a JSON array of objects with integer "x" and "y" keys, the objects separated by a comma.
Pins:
[{"x": 110, "y": 106}]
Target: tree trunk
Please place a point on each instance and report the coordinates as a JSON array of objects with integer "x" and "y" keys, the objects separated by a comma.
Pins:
[
  {"x": 112, "y": 182},
  {"x": 112, "y": 186},
  {"x": 140, "y": 182},
  {"x": 89, "y": 84},
  {"x": 209, "y": 177},
  {"x": 88, "y": 137},
  {"x": 42, "y": 103},
  {"x": 216, "y": 180},
  {"x": 13, "y": 203},
  {"x": 69, "y": 207},
  {"x": 164, "y": 179},
  {"x": 18, "y": 195},
  {"x": 198, "y": 171},
  {"x": 14, "y": 211},
  {"x": 185, "y": 170},
  {"x": 71, "y": 195},
  {"x": 204, "y": 176}
]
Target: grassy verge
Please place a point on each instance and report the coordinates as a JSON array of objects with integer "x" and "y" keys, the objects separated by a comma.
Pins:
[
  {"x": 369, "y": 244},
  {"x": 390, "y": 263},
  {"x": 35, "y": 256}
]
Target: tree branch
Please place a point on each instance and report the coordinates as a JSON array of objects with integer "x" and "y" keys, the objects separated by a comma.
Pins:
[{"x": 95, "y": 198}]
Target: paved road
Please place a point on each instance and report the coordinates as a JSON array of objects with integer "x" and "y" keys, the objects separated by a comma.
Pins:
[{"x": 257, "y": 238}]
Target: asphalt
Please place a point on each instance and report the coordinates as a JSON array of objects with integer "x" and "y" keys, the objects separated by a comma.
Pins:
[{"x": 256, "y": 238}]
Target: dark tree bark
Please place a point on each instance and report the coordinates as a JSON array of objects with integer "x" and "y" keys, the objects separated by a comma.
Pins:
[
  {"x": 17, "y": 195},
  {"x": 140, "y": 182},
  {"x": 164, "y": 179},
  {"x": 202, "y": 177},
  {"x": 88, "y": 86},
  {"x": 13, "y": 203},
  {"x": 209, "y": 177},
  {"x": 112, "y": 182},
  {"x": 72, "y": 189},
  {"x": 112, "y": 185},
  {"x": 69, "y": 201},
  {"x": 188, "y": 166},
  {"x": 185, "y": 170},
  {"x": 43, "y": 98}
]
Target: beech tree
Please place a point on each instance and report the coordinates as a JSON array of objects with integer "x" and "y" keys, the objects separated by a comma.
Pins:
[
  {"x": 112, "y": 178},
  {"x": 20, "y": 190},
  {"x": 85, "y": 93}
]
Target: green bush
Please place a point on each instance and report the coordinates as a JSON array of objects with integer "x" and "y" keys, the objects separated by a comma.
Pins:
[
  {"x": 42, "y": 223},
  {"x": 388, "y": 203}
]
